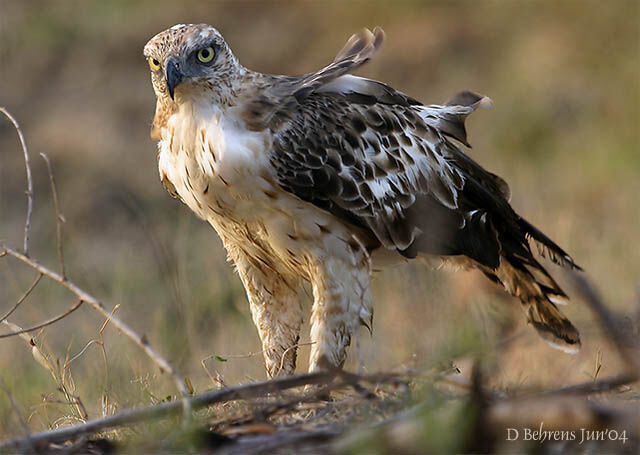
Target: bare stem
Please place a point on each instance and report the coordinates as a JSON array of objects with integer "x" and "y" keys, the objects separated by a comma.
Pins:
[
  {"x": 608, "y": 321},
  {"x": 27, "y": 224},
  {"x": 23, "y": 298},
  {"x": 589, "y": 387},
  {"x": 59, "y": 218},
  {"x": 45, "y": 323},
  {"x": 99, "y": 306}
]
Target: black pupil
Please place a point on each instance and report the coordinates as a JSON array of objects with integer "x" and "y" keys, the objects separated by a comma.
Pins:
[
  {"x": 155, "y": 62},
  {"x": 204, "y": 53}
]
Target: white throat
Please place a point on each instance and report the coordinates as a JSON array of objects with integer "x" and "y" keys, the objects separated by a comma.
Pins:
[{"x": 209, "y": 157}]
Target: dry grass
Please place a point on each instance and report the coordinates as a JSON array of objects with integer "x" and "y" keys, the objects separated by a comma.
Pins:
[{"x": 564, "y": 79}]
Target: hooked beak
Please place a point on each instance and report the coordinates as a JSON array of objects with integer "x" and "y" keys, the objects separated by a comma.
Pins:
[{"x": 174, "y": 76}]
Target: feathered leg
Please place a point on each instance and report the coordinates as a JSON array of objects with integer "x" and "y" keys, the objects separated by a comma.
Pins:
[
  {"x": 342, "y": 302},
  {"x": 277, "y": 313}
]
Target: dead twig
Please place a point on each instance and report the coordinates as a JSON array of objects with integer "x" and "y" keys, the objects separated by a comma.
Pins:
[
  {"x": 27, "y": 165},
  {"x": 589, "y": 294},
  {"x": 59, "y": 217},
  {"x": 38, "y": 355},
  {"x": 86, "y": 346},
  {"x": 589, "y": 387},
  {"x": 99, "y": 306},
  {"x": 240, "y": 392},
  {"x": 45, "y": 323},
  {"x": 166, "y": 409},
  {"x": 224, "y": 358},
  {"x": 23, "y": 298},
  {"x": 76, "y": 401}
]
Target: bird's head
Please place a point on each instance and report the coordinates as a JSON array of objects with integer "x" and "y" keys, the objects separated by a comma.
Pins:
[{"x": 188, "y": 58}]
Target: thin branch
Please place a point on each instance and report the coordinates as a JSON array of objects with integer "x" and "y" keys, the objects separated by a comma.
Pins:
[
  {"x": 45, "y": 323},
  {"x": 23, "y": 298},
  {"x": 589, "y": 387},
  {"x": 27, "y": 165},
  {"x": 102, "y": 344},
  {"x": 607, "y": 319},
  {"x": 240, "y": 392},
  {"x": 77, "y": 401},
  {"x": 38, "y": 354},
  {"x": 269, "y": 409},
  {"x": 250, "y": 354},
  {"x": 244, "y": 391},
  {"x": 82, "y": 351},
  {"x": 59, "y": 217},
  {"x": 585, "y": 388},
  {"x": 99, "y": 306},
  {"x": 232, "y": 356}
]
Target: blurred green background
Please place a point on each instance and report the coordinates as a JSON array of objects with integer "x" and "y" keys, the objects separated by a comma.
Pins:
[{"x": 564, "y": 132}]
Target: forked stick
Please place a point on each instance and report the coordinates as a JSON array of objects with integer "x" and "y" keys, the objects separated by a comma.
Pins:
[{"x": 27, "y": 165}]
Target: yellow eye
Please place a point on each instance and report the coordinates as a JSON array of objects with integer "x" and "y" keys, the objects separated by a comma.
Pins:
[
  {"x": 153, "y": 64},
  {"x": 206, "y": 55}
]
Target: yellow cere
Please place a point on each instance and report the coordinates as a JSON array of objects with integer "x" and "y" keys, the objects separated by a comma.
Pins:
[
  {"x": 206, "y": 54},
  {"x": 153, "y": 64}
]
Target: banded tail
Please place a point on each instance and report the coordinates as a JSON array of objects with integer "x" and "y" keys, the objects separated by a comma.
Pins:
[{"x": 524, "y": 277}]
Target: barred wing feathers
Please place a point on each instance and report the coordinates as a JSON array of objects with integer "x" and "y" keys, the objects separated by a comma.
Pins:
[{"x": 384, "y": 162}]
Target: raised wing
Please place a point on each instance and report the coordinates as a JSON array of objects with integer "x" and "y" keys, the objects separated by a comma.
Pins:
[
  {"x": 280, "y": 94},
  {"x": 358, "y": 50},
  {"x": 382, "y": 161}
]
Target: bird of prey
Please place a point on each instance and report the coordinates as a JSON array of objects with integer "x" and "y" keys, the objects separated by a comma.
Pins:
[{"x": 322, "y": 177}]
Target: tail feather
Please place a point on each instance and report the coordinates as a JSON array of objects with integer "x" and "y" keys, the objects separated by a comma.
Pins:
[
  {"x": 526, "y": 279},
  {"x": 553, "y": 326},
  {"x": 547, "y": 247}
]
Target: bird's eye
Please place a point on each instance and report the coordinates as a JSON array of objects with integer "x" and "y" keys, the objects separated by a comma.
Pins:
[
  {"x": 206, "y": 54},
  {"x": 153, "y": 64}
]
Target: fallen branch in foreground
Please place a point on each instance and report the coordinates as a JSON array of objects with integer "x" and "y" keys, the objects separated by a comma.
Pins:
[
  {"x": 589, "y": 387},
  {"x": 331, "y": 380},
  {"x": 245, "y": 391}
]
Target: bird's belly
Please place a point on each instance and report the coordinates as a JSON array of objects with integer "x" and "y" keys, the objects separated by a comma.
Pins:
[
  {"x": 252, "y": 213},
  {"x": 282, "y": 231}
]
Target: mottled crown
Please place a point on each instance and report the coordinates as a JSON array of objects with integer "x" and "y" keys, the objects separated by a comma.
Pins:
[
  {"x": 181, "y": 43},
  {"x": 182, "y": 38}
]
